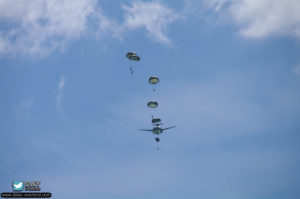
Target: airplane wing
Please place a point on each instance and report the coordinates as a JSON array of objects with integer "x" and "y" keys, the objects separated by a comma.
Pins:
[
  {"x": 169, "y": 127},
  {"x": 145, "y": 129}
]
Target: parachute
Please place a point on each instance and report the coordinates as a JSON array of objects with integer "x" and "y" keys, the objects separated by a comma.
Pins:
[
  {"x": 152, "y": 104},
  {"x": 153, "y": 80},
  {"x": 156, "y": 120},
  {"x": 133, "y": 56}
]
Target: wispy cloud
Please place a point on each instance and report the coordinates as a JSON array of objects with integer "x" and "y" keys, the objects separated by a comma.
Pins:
[
  {"x": 296, "y": 70},
  {"x": 59, "y": 93},
  {"x": 153, "y": 16},
  {"x": 259, "y": 19},
  {"x": 24, "y": 106}
]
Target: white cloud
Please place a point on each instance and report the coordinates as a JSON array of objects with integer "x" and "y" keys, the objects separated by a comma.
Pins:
[
  {"x": 39, "y": 27},
  {"x": 153, "y": 16},
  {"x": 259, "y": 19}
]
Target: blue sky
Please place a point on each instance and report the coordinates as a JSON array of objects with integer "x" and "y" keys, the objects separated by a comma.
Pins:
[{"x": 230, "y": 81}]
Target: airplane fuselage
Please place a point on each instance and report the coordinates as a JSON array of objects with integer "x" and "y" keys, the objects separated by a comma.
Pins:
[{"x": 157, "y": 130}]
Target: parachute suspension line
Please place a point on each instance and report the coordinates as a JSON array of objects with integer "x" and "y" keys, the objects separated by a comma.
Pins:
[
  {"x": 131, "y": 67},
  {"x": 154, "y": 88}
]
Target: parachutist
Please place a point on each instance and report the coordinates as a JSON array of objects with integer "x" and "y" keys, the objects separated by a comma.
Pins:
[
  {"x": 157, "y": 139},
  {"x": 132, "y": 56},
  {"x": 153, "y": 80}
]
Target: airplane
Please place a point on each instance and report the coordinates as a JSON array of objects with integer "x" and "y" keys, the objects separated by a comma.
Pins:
[{"x": 157, "y": 130}]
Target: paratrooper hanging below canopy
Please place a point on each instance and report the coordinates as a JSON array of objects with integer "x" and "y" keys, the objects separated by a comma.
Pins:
[{"x": 133, "y": 57}]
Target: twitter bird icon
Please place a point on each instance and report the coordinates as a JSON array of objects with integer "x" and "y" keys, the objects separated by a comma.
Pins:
[{"x": 18, "y": 186}]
